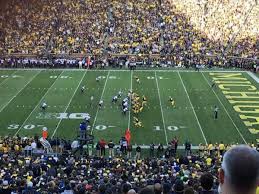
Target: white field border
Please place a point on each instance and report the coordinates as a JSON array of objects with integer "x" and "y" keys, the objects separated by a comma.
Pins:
[
  {"x": 162, "y": 112},
  {"x": 15, "y": 95},
  {"x": 37, "y": 106},
  {"x": 139, "y": 70},
  {"x": 60, "y": 120},
  {"x": 226, "y": 110},
  {"x": 193, "y": 110},
  {"x": 253, "y": 76},
  {"x": 101, "y": 98}
]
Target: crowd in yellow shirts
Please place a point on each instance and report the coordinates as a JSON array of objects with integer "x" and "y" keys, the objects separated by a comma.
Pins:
[
  {"x": 86, "y": 174},
  {"x": 185, "y": 29},
  {"x": 217, "y": 149},
  {"x": 57, "y": 27}
]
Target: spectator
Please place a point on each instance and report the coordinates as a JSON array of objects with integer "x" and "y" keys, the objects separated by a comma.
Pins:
[
  {"x": 5, "y": 188},
  {"x": 178, "y": 187},
  {"x": 146, "y": 190},
  {"x": 207, "y": 182},
  {"x": 189, "y": 191},
  {"x": 125, "y": 188},
  {"x": 131, "y": 191},
  {"x": 221, "y": 148},
  {"x": 33, "y": 145},
  {"x": 102, "y": 189},
  {"x": 236, "y": 175},
  {"x": 158, "y": 188},
  {"x": 167, "y": 188},
  {"x": 30, "y": 189}
]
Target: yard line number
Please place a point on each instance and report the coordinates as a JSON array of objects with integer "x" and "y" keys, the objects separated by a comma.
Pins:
[
  {"x": 68, "y": 77},
  {"x": 169, "y": 128},
  {"x": 7, "y": 76},
  {"x": 33, "y": 126}
]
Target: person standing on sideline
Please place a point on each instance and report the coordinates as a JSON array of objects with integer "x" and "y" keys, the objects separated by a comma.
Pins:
[
  {"x": 98, "y": 149},
  {"x": 102, "y": 146},
  {"x": 175, "y": 143},
  {"x": 111, "y": 148},
  {"x": 138, "y": 152},
  {"x": 152, "y": 150},
  {"x": 160, "y": 150},
  {"x": 188, "y": 148},
  {"x": 129, "y": 151}
]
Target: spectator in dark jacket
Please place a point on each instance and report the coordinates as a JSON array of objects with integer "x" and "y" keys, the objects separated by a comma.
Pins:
[
  {"x": 207, "y": 182},
  {"x": 5, "y": 188}
]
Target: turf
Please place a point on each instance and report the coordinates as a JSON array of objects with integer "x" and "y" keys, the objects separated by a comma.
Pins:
[{"x": 23, "y": 91}]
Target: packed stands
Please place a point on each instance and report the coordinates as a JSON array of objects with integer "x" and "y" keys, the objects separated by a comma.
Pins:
[
  {"x": 188, "y": 31},
  {"x": 22, "y": 170},
  {"x": 36, "y": 27}
]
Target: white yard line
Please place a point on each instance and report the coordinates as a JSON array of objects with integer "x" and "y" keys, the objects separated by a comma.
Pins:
[
  {"x": 193, "y": 110},
  {"x": 68, "y": 105},
  {"x": 19, "y": 91},
  {"x": 162, "y": 112},
  {"x": 8, "y": 78},
  {"x": 131, "y": 74},
  {"x": 37, "y": 106},
  {"x": 253, "y": 76},
  {"x": 226, "y": 110},
  {"x": 101, "y": 98}
]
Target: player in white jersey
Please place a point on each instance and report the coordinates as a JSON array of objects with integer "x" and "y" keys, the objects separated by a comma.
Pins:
[
  {"x": 100, "y": 103},
  {"x": 82, "y": 89},
  {"x": 114, "y": 99},
  {"x": 44, "y": 106}
]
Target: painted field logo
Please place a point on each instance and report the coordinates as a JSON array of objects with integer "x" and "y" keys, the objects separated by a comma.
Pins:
[
  {"x": 243, "y": 96},
  {"x": 62, "y": 115}
]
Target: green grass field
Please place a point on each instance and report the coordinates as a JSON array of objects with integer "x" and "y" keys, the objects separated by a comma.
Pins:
[{"x": 23, "y": 91}]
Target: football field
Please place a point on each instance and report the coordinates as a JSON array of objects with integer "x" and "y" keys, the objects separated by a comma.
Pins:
[{"x": 235, "y": 94}]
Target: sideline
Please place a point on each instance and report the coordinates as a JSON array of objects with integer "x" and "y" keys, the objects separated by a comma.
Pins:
[
  {"x": 144, "y": 70},
  {"x": 253, "y": 76}
]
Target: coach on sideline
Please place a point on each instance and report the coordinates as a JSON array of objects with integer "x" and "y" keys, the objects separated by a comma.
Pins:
[{"x": 239, "y": 173}]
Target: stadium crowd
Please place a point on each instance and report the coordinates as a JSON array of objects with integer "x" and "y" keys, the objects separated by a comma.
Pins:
[
  {"x": 98, "y": 28},
  {"x": 25, "y": 171}
]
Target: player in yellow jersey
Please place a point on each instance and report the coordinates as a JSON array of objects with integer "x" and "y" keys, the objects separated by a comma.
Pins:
[
  {"x": 137, "y": 79},
  {"x": 144, "y": 100},
  {"x": 137, "y": 122},
  {"x": 172, "y": 102},
  {"x": 141, "y": 109}
]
